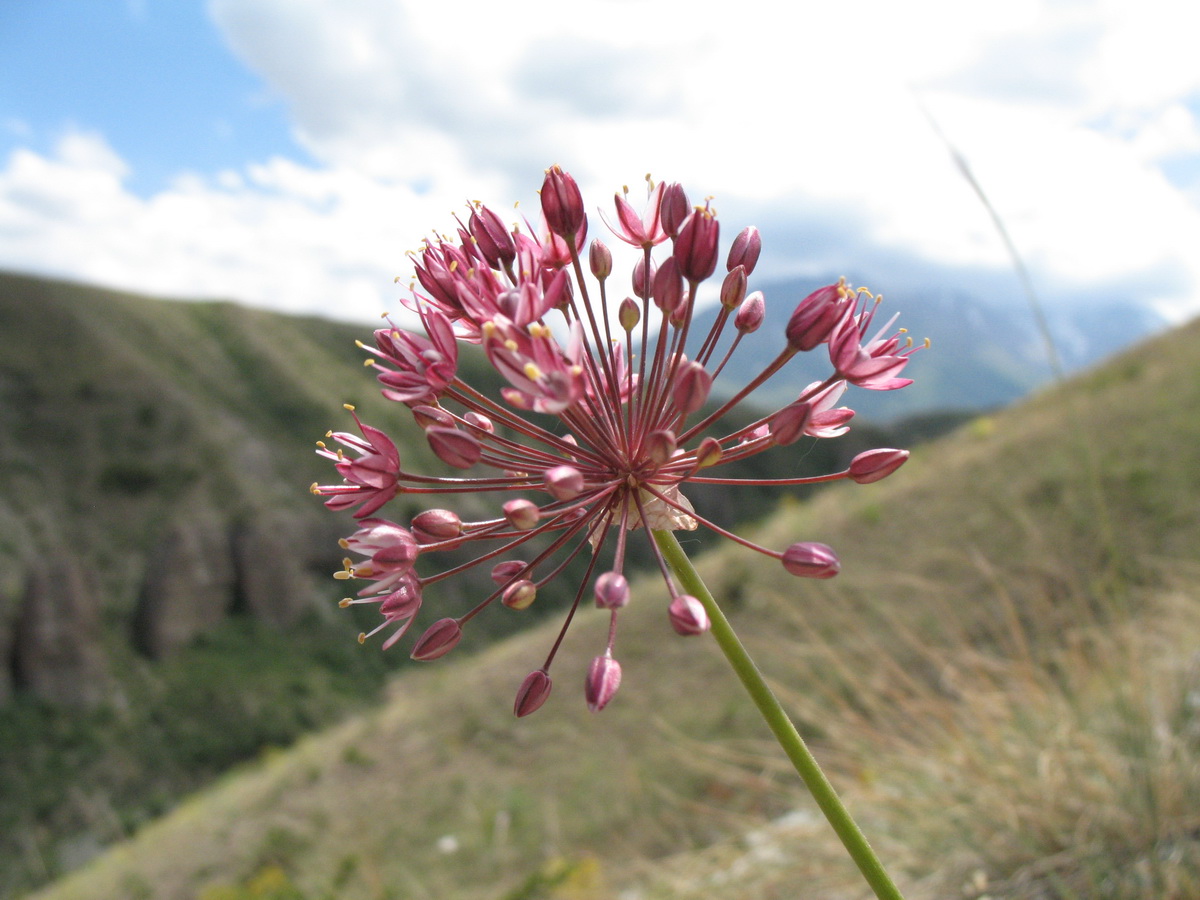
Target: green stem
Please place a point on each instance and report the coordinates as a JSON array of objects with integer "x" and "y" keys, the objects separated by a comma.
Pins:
[{"x": 785, "y": 732}]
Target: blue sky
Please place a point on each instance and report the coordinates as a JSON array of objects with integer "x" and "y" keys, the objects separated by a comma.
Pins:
[
  {"x": 156, "y": 79},
  {"x": 287, "y": 152}
]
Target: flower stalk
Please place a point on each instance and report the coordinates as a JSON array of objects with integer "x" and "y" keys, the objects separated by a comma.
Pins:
[{"x": 777, "y": 720}]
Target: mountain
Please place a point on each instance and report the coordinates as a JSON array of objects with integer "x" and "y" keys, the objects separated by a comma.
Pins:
[
  {"x": 984, "y": 354},
  {"x": 1001, "y": 682}
]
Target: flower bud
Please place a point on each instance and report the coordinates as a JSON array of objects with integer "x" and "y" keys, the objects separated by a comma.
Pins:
[
  {"x": 439, "y": 639},
  {"x": 453, "y": 447},
  {"x": 745, "y": 250},
  {"x": 692, "y": 387},
  {"x": 815, "y": 317},
  {"x": 674, "y": 208},
  {"x": 532, "y": 694},
  {"x": 519, "y": 594},
  {"x": 750, "y": 314},
  {"x": 660, "y": 446},
  {"x": 600, "y": 259},
  {"x": 642, "y": 282},
  {"x": 708, "y": 453},
  {"x": 787, "y": 425},
  {"x": 668, "y": 286},
  {"x": 875, "y": 465},
  {"x": 603, "y": 679},
  {"x": 434, "y": 525},
  {"x": 688, "y": 616},
  {"x": 522, "y": 514},
  {"x": 492, "y": 239},
  {"x": 696, "y": 245},
  {"x": 562, "y": 203},
  {"x": 811, "y": 560},
  {"x": 629, "y": 314},
  {"x": 612, "y": 590},
  {"x": 480, "y": 421},
  {"x": 564, "y": 482},
  {"x": 733, "y": 288},
  {"x": 428, "y": 416},
  {"x": 504, "y": 572}
]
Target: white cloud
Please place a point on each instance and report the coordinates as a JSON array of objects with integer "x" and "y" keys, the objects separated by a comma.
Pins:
[{"x": 806, "y": 118}]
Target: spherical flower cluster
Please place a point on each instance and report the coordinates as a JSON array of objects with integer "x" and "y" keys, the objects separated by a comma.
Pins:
[{"x": 604, "y": 418}]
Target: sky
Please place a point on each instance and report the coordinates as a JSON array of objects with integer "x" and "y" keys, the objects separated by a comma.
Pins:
[{"x": 288, "y": 153}]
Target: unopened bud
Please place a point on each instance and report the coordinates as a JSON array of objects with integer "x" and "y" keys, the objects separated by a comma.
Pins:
[
  {"x": 612, "y": 590},
  {"x": 532, "y": 694},
  {"x": 480, "y": 421},
  {"x": 811, "y": 560},
  {"x": 504, "y": 572},
  {"x": 674, "y": 208},
  {"x": 815, "y": 317},
  {"x": 453, "y": 447},
  {"x": 745, "y": 250},
  {"x": 428, "y": 416},
  {"x": 603, "y": 679},
  {"x": 600, "y": 259},
  {"x": 875, "y": 465},
  {"x": 564, "y": 482},
  {"x": 434, "y": 525},
  {"x": 491, "y": 237},
  {"x": 687, "y": 615},
  {"x": 521, "y": 514},
  {"x": 787, "y": 425},
  {"x": 733, "y": 288},
  {"x": 629, "y": 314},
  {"x": 692, "y": 387},
  {"x": 668, "y": 286},
  {"x": 696, "y": 245},
  {"x": 660, "y": 446},
  {"x": 641, "y": 282},
  {"x": 562, "y": 203},
  {"x": 519, "y": 594},
  {"x": 708, "y": 453},
  {"x": 750, "y": 314},
  {"x": 439, "y": 639}
]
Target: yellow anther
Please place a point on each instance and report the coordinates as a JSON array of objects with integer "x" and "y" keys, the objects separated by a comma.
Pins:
[
  {"x": 489, "y": 329},
  {"x": 313, "y": 489},
  {"x": 902, "y": 331},
  {"x": 510, "y": 344},
  {"x": 342, "y": 576},
  {"x": 453, "y": 265},
  {"x": 359, "y": 344},
  {"x": 532, "y": 372},
  {"x": 928, "y": 343},
  {"x": 329, "y": 433},
  {"x": 368, "y": 362},
  {"x": 343, "y": 543},
  {"x": 348, "y": 406},
  {"x": 362, "y": 637},
  {"x": 321, "y": 444},
  {"x": 539, "y": 331},
  {"x": 344, "y": 602}
]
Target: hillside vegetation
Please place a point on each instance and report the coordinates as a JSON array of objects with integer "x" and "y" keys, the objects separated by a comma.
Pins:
[
  {"x": 125, "y": 423},
  {"x": 1002, "y": 682}
]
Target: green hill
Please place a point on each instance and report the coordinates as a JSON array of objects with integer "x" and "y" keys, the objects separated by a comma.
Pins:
[
  {"x": 154, "y": 464},
  {"x": 1002, "y": 681}
]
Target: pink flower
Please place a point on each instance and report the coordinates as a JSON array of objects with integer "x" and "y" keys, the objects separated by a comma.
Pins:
[{"x": 601, "y": 426}]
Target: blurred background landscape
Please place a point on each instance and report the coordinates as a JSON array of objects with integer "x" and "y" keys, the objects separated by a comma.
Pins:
[{"x": 1004, "y": 679}]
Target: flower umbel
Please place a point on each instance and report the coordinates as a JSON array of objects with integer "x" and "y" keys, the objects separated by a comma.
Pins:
[{"x": 604, "y": 420}]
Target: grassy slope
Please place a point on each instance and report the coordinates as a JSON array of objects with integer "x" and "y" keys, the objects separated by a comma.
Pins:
[
  {"x": 998, "y": 681},
  {"x": 121, "y": 416}
]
